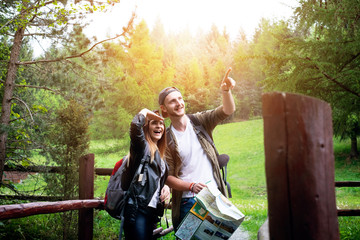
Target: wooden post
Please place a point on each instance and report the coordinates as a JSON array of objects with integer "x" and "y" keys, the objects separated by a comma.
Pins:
[
  {"x": 299, "y": 165},
  {"x": 86, "y": 191}
]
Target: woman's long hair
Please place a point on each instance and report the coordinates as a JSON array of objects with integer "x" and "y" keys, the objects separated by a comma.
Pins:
[{"x": 161, "y": 144}]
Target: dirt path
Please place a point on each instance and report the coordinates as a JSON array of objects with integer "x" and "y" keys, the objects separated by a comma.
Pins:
[{"x": 240, "y": 234}]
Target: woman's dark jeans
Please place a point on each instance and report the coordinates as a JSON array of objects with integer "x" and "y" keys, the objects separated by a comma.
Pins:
[{"x": 143, "y": 227}]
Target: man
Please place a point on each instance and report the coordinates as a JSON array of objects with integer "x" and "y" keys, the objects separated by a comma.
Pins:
[{"x": 191, "y": 158}]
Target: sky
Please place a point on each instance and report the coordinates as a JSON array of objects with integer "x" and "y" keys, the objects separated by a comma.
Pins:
[{"x": 177, "y": 15}]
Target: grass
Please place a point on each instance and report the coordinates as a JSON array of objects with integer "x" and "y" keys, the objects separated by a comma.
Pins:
[
  {"x": 32, "y": 227},
  {"x": 243, "y": 142},
  {"x": 346, "y": 169},
  {"x": 108, "y": 152}
]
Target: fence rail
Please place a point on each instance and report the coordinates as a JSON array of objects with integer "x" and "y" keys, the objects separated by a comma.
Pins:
[
  {"x": 35, "y": 208},
  {"x": 31, "y": 197},
  {"x": 107, "y": 172},
  {"x": 85, "y": 205},
  {"x": 51, "y": 169},
  {"x": 347, "y": 184},
  {"x": 39, "y": 169},
  {"x": 30, "y": 209}
]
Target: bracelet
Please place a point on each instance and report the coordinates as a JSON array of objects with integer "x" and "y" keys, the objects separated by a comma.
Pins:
[
  {"x": 192, "y": 188},
  {"x": 226, "y": 90}
]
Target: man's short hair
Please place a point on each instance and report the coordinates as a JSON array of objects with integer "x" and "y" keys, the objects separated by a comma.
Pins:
[
  {"x": 165, "y": 92},
  {"x": 162, "y": 95}
]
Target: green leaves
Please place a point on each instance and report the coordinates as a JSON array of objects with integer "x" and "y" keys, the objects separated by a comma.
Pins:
[{"x": 319, "y": 57}]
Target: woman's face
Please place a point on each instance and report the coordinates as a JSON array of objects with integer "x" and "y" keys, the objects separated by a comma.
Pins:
[{"x": 156, "y": 129}]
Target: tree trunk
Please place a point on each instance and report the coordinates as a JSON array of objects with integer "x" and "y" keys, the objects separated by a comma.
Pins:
[
  {"x": 354, "y": 153},
  {"x": 8, "y": 95}
]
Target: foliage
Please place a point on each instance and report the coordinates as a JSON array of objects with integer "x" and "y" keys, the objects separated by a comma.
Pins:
[
  {"x": 134, "y": 77},
  {"x": 136, "y": 70},
  {"x": 105, "y": 226},
  {"x": 33, "y": 227},
  {"x": 26, "y": 117},
  {"x": 349, "y": 228},
  {"x": 317, "y": 55},
  {"x": 68, "y": 141},
  {"x": 335, "y": 48},
  {"x": 27, "y": 108},
  {"x": 247, "y": 71}
]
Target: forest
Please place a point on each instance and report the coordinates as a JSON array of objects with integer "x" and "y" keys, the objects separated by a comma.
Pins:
[{"x": 82, "y": 89}]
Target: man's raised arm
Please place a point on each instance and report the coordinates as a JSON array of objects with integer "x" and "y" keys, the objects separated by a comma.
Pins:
[{"x": 227, "y": 99}]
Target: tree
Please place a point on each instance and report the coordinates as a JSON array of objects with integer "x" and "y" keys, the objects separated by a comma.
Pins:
[
  {"x": 335, "y": 42},
  {"x": 215, "y": 53},
  {"x": 246, "y": 70},
  {"x": 209, "y": 55},
  {"x": 134, "y": 75},
  {"x": 69, "y": 140},
  {"x": 147, "y": 66},
  {"x": 319, "y": 56},
  {"x": 192, "y": 84},
  {"x": 21, "y": 19}
]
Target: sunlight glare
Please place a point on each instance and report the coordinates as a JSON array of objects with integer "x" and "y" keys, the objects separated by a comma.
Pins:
[{"x": 176, "y": 15}]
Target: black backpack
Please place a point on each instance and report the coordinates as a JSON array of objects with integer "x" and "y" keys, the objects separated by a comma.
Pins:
[
  {"x": 223, "y": 159},
  {"x": 115, "y": 196}
]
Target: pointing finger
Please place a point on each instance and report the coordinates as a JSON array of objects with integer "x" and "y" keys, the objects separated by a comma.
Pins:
[{"x": 227, "y": 73}]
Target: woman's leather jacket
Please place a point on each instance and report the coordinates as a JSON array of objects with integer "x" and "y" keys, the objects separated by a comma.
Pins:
[{"x": 141, "y": 194}]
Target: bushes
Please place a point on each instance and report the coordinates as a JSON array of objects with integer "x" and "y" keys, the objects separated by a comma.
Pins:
[
  {"x": 33, "y": 227},
  {"x": 68, "y": 141}
]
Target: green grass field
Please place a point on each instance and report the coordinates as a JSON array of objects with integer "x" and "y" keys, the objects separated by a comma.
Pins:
[{"x": 243, "y": 142}]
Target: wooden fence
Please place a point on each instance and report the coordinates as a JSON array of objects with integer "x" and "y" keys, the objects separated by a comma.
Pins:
[{"x": 85, "y": 204}]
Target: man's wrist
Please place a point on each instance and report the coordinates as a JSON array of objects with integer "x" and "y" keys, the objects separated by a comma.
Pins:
[{"x": 191, "y": 186}]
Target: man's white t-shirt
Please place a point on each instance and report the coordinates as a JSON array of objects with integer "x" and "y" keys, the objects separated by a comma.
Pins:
[{"x": 196, "y": 166}]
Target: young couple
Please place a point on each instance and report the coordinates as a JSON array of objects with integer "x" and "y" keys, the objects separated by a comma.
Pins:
[{"x": 180, "y": 158}]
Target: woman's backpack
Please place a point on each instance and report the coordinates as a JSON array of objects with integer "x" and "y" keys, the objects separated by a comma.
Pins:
[{"x": 115, "y": 196}]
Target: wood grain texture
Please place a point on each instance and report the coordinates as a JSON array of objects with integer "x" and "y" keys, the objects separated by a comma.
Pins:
[{"x": 299, "y": 167}]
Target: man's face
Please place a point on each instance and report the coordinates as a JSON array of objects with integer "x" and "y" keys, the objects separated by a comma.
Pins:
[{"x": 174, "y": 104}]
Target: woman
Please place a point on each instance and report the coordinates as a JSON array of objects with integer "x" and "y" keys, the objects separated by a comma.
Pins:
[{"x": 149, "y": 192}]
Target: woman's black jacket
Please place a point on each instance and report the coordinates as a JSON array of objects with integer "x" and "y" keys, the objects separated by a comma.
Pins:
[{"x": 139, "y": 151}]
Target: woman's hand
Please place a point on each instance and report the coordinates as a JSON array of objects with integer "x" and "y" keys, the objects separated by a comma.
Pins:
[
  {"x": 150, "y": 115},
  {"x": 165, "y": 193}
]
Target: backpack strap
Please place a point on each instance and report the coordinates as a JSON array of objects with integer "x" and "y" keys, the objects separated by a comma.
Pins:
[
  {"x": 224, "y": 172},
  {"x": 142, "y": 167},
  {"x": 121, "y": 224},
  {"x": 196, "y": 123}
]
